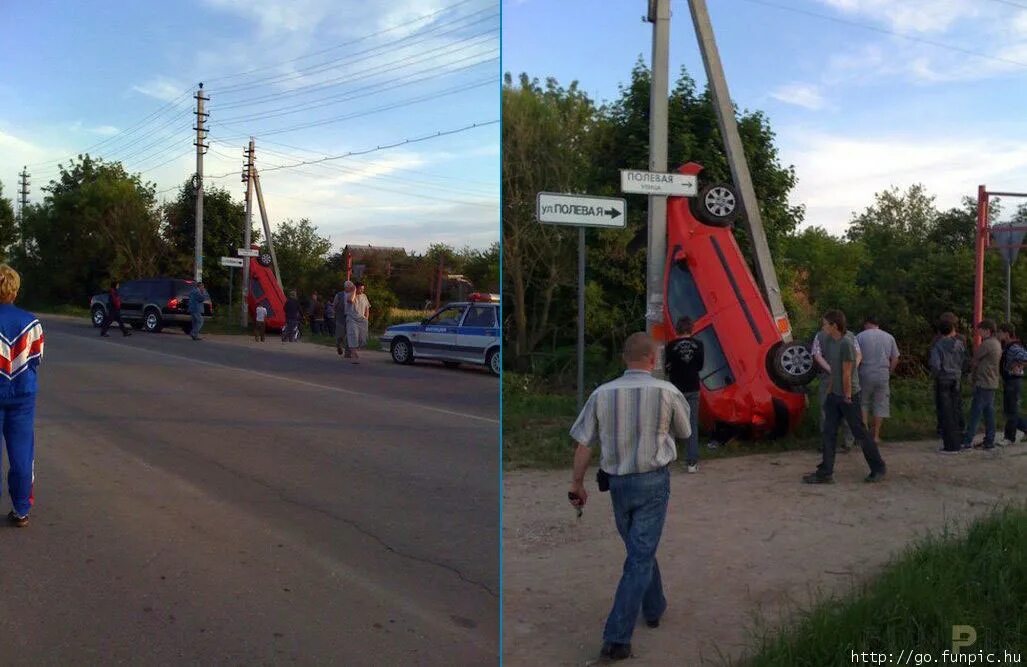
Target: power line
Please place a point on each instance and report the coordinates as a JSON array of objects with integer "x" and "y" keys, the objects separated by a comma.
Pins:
[
  {"x": 343, "y": 45},
  {"x": 886, "y": 31},
  {"x": 1010, "y": 3}
]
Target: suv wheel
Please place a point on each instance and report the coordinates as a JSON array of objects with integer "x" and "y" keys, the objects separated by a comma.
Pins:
[
  {"x": 402, "y": 352},
  {"x": 792, "y": 365},
  {"x": 716, "y": 205},
  {"x": 264, "y": 259},
  {"x": 494, "y": 362},
  {"x": 98, "y": 316},
  {"x": 152, "y": 321}
]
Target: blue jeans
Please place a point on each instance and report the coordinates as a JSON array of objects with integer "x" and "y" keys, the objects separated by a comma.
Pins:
[
  {"x": 197, "y": 325},
  {"x": 692, "y": 455},
  {"x": 982, "y": 404},
  {"x": 639, "y": 507},
  {"x": 17, "y": 423}
]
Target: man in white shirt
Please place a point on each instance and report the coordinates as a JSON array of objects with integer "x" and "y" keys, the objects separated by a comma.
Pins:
[
  {"x": 880, "y": 357},
  {"x": 358, "y": 310},
  {"x": 260, "y": 323}
]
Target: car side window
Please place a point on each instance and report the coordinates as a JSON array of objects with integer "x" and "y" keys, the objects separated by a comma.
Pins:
[
  {"x": 132, "y": 290},
  {"x": 447, "y": 317},
  {"x": 480, "y": 316},
  {"x": 715, "y": 373},
  {"x": 683, "y": 298}
]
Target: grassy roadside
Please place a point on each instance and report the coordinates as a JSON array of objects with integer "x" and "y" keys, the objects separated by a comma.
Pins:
[
  {"x": 979, "y": 580},
  {"x": 536, "y": 421}
]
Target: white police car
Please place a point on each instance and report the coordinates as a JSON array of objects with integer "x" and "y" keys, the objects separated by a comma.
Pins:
[{"x": 461, "y": 332}]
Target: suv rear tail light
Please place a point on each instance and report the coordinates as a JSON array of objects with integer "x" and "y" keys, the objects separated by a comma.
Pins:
[{"x": 173, "y": 303}]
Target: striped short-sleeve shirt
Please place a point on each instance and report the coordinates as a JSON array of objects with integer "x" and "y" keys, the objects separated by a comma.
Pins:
[{"x": 635, "y": 419}]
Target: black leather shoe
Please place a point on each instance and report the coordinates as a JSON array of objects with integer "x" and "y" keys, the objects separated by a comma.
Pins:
[
  {"x": 614, "y": 651},
  {"x": 655, "y": 623},
  {"x": 814, "y": 478},
  {"x": 874, "y": 477}
]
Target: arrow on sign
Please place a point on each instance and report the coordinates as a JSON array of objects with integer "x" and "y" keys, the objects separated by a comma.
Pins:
[{"x": 612, "y": 212}]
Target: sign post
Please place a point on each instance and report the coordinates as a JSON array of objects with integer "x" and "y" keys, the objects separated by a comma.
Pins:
[
  {"x": 638, "y": 182},
  {"x": 232, "y": 263},
  {"x": 581, "y": 211},
  {"x": 1007, "y": 238}
]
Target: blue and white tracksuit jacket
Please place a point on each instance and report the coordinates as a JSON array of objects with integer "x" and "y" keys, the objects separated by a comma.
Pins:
[{"x": 21, "y": 348}]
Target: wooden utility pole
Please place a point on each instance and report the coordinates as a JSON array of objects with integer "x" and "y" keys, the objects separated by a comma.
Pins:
[
  {"x": 247, "y": 177},
  {"x": 201, "y": 149},
  {"x": 23, "y": 194}
]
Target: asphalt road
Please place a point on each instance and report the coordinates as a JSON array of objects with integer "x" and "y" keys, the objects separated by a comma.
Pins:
[{"x": 226, "y": 502}]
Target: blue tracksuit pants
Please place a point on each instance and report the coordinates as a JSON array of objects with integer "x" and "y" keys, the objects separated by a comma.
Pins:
[{"x": 17, "y": 423}]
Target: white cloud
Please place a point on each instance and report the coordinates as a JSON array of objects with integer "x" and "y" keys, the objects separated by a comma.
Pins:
[
  {"x": 803, "y": 95},
  {"x": 839, "y": 175},
  {"x": 910, "y": 15},
  {"x": 161, "y": 88}
]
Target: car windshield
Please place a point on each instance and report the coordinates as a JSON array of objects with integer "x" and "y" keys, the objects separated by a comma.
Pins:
[
  {"x": 683, "y": 298},
  {"x": 715, "y": 373}
]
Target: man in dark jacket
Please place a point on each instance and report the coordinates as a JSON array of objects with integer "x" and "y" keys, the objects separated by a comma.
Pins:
[
  {"x": 197, "y": 297},
  {"x": 947, "y": 359},
  {"x": 683, "y": 359},
  {"x": 114, "y": 311},
  {"x": 952, "y": 319},
  {"x": 293, "y": 315},
  {"x": 1014, "y": 356}
]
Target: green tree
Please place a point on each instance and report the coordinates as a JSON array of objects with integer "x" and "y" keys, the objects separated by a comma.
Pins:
[
  {"x": 482, "y": 267},
  {"x": 8, "y": 230},
  {"x": 302, "y": 255}
]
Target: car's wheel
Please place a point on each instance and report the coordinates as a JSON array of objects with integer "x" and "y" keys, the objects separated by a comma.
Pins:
[
  {"x": 451, "y": 364},
  {"x": 494, "y": 361},
  {"x": 152, "y": 321},
  {"x": 792, "y": 365},
  {"x": 264, "y": 259},
  {"x": 402, "y": 352},
  {"x": 716, "y": 204},
  {"x": 98, "y": 315}
]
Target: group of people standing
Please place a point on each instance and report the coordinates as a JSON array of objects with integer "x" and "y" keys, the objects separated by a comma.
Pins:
[{"x": 345, "y": 317}]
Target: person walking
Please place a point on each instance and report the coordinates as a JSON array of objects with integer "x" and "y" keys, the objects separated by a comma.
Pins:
[
  {"x": 18, "y": 387},
  {"x": 683, "y": 359},
  {"x": 984, "y": 373},
  {"x": 197, "y": 296},
  {"x": 293, "y": 315},
  {"x": 260, "y": 323},
  {"x": 357, "y": 320},
  {"x": 635, "y": 419},
  {"x": 113, "y": 311},
  {"x": 822, "y": 342},
  {"x": 317, "y": 313},
  {"x": 880, "y": 357},
  {"x": 843, "y": 404},
  {"x": 947, "y": 360},
  {"x": 330, "y": 317},
  {"x": 341, "y": 307},
  {"x": 1014, "y": 356}
]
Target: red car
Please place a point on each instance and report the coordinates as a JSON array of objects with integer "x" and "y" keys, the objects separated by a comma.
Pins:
[
  {"x": 264, "y": 289},
  {"x": 752, "y": 381}
]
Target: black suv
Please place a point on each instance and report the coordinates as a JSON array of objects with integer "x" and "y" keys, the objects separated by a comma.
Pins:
[{"x": 150, "y": 304}]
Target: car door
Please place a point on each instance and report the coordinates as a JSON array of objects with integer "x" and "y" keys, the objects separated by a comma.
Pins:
[
  {"x": 478, "y": 332},
  {"x": 437, "y": 338},
  {"x": 133, "y": 295}
]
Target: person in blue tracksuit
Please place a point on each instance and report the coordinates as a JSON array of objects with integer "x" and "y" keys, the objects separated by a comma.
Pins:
[
  {"x": 197, "y": 296},
  {"x": 20, "y": 353}
]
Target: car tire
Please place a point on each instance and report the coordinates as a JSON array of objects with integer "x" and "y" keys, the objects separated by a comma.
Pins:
[
  {"x": 717, "y": 205},
  {"x": 402, "y": 351},
  {"x": 451, "y": 364},
  {"x": 152, "y": 320},
  {"x": 97, "y": 316},
  {"x": 493, "y": 361},
  {"x": 792, "y": 365},
  {"x": 264, "y": 259}
]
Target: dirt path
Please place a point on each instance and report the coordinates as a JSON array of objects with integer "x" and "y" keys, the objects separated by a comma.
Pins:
[{"x": 744, "y": 539}]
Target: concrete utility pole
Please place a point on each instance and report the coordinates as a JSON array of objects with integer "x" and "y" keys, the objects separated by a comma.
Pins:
[
  {"x": 659, "y": 16},
  {"x": 765, "y": 273},
  {"x": 247, "y": 177},
  {"x": 267, "y": 228},
  {"x": 23, "y": 194},
  {"x": 201, "y": 149}
]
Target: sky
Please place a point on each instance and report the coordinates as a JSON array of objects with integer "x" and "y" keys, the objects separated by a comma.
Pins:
[
  {"x": 862, "y": 94},
  {"x": 306, "y": 78}
]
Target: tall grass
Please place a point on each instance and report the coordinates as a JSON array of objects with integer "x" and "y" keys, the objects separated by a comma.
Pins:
[{"x": 979, "y": 580}]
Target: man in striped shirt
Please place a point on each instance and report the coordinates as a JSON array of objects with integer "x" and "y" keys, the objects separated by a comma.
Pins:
[{"x": 635, "y": 419}]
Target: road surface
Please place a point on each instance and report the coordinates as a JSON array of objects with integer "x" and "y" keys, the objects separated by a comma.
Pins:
[{"x": 226, "y": 502}]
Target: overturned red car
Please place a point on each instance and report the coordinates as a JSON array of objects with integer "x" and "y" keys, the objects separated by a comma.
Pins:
[
  {"x": 752, "y": 381},
  {"x": 265, "y": 290}
]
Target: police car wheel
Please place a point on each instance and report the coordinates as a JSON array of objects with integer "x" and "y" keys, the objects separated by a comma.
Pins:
[
  {"x": 494, "y": 362},
  {"x": 401, "y": 351},
  {"x": 98, "y": 316}
]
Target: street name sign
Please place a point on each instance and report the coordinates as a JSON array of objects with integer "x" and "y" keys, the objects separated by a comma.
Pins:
[
  {"x": 638, "y": 182},
  {"x": 236, "y": 262},
  {"x": 244, "y": 252},
  {"x": 582, "y": 210}
]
